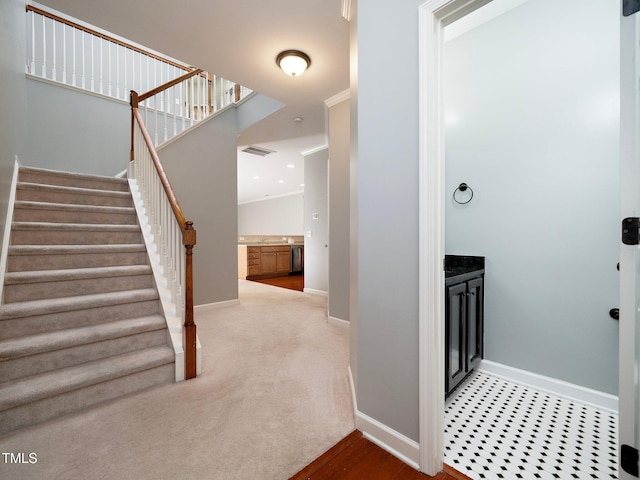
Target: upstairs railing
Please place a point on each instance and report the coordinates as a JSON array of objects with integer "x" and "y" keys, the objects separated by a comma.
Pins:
[
  {"x": 67, "y": 52},
  {"x": 172, "y": 232}
]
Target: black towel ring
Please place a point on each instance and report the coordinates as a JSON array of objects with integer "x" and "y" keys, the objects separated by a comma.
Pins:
[{"x": 463, "y": 187}]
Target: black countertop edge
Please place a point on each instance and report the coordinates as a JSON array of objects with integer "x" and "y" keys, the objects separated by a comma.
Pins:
[{"x": 455, "y": 265}]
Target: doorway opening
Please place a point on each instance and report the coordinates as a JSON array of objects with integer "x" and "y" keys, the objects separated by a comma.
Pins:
[{"x": 501, "y": 180}]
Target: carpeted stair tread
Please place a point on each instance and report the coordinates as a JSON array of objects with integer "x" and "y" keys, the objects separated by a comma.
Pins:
[
  {"x": 57, "y": 177},
  {"x": 46, "y": 385},
  {"x": 76, "y": 249},
  {"x": 71, "y": 190},
  {"x": 79, "y": 302},
  {"x": 77, "y": 227},
  {"x": 14, "y": 278},
  {"x": 30, "y": 204},
  {"x": 34, "y": 344}
]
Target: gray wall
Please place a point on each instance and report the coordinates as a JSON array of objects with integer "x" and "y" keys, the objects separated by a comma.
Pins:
[
  {"x": 339, "y": 188},
  {"x": 539, "y": 144},
  {"x": 201, "y": 167},
  {"x": 316, "y": 238},
  {"x": 12, "y": 97},
  {"x": 276, "y": 216},
  {"x": 387, "y": 218},
  {"x": 75, "y": 131}
]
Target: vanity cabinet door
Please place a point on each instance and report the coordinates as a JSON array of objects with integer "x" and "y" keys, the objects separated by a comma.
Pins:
[
  {"x": 475, "y": 327},
  {"x": 464, "y": 329},
  {"x": 455, "y": 333}
]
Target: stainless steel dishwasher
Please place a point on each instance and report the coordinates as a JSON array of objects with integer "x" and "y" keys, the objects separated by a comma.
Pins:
[{"x": 296, "y": 259}]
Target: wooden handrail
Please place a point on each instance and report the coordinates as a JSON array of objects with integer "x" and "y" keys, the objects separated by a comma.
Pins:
[
  {"x": 169, "y": 84},
  {"x": 188, "y": 238},
  {"x": 84, "y": 28}
]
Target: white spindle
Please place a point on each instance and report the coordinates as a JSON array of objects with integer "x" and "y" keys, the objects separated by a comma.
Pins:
[
  {"x": 54, "y": 47},
  {"x": 109, "y": 68},
  {"x": 64, "y": 53},
  {"x": 83, "y": 61},
  {"x": 73, "y": 64},
  {"x": 44, "y": 48},
  {"x": 92, "y": 65},
  {"x": 32, "y": 67},
  {"x": 117, "y": 70},
  {"x": 101, "y": 74},
  {"x": 164, "y": 100}
]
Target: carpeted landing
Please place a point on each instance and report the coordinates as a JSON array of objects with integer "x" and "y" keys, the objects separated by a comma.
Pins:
[{"x": 272, "y": 397}]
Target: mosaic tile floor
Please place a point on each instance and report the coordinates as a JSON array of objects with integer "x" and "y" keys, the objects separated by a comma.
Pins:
[{"x": 496, "y": 429}]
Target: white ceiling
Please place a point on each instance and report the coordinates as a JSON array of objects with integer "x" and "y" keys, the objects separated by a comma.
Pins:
[{"x": 239, "y": 40}]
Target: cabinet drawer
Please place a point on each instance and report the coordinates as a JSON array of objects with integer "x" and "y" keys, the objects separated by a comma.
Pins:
[
  {"x": 254, "y": 255},
  {"x": 253, "y": 250},
  {"x": 253, "y": 261},
  {"x": 253, "y": 270},
  {"x": 279, "y": 248}
]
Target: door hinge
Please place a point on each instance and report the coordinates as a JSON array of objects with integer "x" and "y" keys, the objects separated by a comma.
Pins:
[
  {"x": 629, "y": 7},
  {"x": 629, "y": 459},
  {"x": 631, "y": 231}
]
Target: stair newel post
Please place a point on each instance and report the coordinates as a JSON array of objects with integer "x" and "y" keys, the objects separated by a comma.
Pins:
[
  {"x": 189, "y": 239},
  {"x": 134, "y": 104}
]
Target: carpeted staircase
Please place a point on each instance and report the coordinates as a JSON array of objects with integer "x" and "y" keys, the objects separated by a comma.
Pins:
[{"x": 80, "y": 321}]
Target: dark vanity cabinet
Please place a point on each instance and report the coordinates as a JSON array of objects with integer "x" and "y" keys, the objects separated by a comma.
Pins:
[{"x": 464, "y": 322}]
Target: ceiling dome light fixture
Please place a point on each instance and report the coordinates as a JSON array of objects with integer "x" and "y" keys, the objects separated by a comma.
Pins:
[{"x": 293, "y": 62}]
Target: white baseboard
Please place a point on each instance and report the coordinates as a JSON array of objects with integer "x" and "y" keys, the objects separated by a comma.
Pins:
[
  {"x": 352, "y": 386},
  {"x": 577, "y": 393},
  {"x": 338, "y": 321},
  {"x": 393, "y": 442},
  {"x": 312, "y": 291},
  {"x": 212, "y": 306}
]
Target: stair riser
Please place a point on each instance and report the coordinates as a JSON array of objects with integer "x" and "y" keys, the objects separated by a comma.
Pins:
[
  {"x": 70, "y": 288},
  {"x": 73, "y": 216},
  {"x": 22, "y": 326},
  {"x": 119, "y": 185},
  {"x": 46, "y": 362},
  {"x": 73, "y": 237},
  {"x": 38, "y": 195},
  {"x": 25, "y": 263},
  {"x": 51, "y": 408}
]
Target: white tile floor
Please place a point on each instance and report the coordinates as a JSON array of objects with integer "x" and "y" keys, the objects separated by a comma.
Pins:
[{"x": 496, "y": 429}]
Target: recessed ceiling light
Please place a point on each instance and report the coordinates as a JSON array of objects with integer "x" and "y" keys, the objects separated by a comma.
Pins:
[
  {"x": 256, "y": 177},
  {"x": 291, "y": 165},
  {"x": 297, "y": 119},
  {"x": 302, "y": 184},
  {"x": 280, "y": 181}
]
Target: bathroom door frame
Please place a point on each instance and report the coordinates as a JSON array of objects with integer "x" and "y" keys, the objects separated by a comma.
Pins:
[{"x": 434, "y": 15}]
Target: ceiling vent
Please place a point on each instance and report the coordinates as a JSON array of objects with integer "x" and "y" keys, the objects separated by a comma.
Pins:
[{"x": 257, "y": 151}]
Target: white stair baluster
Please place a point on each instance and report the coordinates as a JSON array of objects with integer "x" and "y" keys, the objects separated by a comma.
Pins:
[
  {"x": 44, "y": 48},
  {"x": 73, "y": 49}
]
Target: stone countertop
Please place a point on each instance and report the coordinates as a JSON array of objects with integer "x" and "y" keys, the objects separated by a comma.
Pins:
[
  {"x": 456, "y": 265},
  {"x": 284, "y": 244}
]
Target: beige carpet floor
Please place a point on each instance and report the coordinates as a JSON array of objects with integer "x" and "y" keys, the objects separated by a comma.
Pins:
[{"x": 273, "y": 395}]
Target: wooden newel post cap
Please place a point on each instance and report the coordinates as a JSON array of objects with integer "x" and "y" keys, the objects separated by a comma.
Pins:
[
  {"x": 133, "y": 98},
  {"x": 189, "y": 234}
]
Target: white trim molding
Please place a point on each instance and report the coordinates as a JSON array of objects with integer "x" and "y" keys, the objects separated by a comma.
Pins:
[
  {"x": 338, "y": 321},
  {"x": 560, "y": 388},
  {"x": 313, "y": 291},
  {"x": 338, "y": 98},
  {"x": 393, "y": 442},
  {"x": 433, "y": 15},
  {"x": 214, "y": 306}
]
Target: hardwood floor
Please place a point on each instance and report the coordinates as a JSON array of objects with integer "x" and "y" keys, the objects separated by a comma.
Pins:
[
  {"x": 356, "y": 458},
  {"x": 292, "y": 282}
]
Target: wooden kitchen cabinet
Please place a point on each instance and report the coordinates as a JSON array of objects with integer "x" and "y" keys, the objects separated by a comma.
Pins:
[{"x": 265, "y": 261}]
